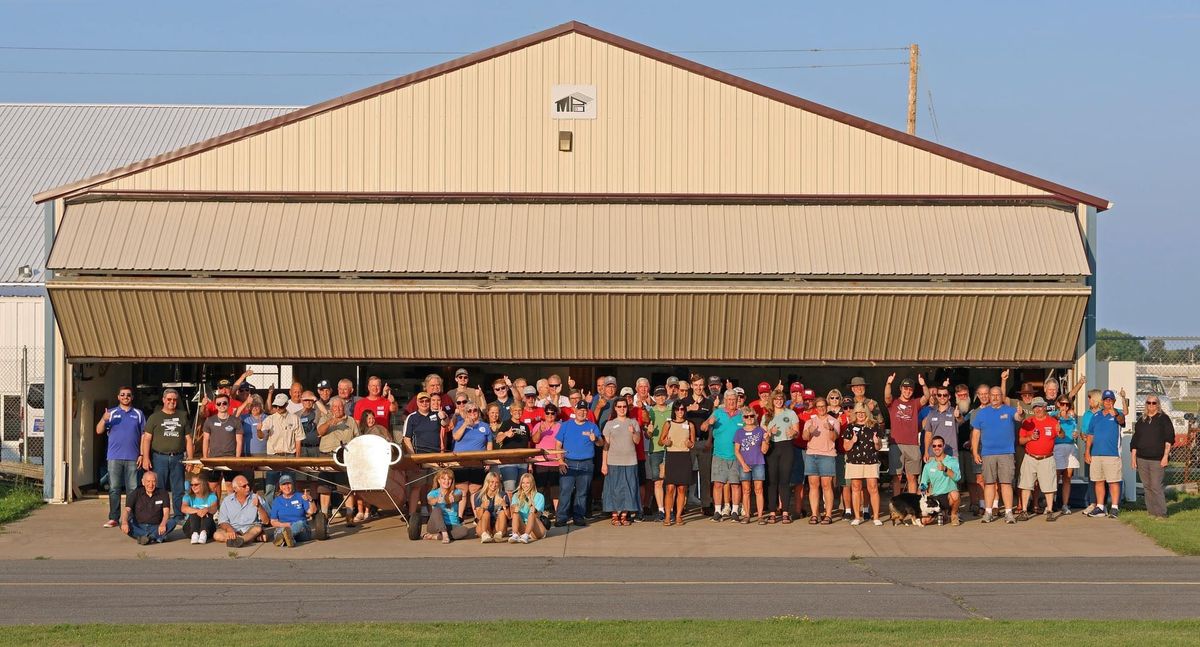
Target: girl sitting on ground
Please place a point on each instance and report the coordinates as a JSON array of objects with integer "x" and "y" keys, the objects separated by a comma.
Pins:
[
  {"x": 491, "y": 507},
  {"x": 526, "y": 510},
  {"x": 446, "y": 507}
]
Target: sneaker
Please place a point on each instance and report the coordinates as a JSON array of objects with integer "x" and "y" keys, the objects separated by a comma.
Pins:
[
  {"x": 1024, "y": 516},
  {"x": 361, "y": 517},
  {"x": 1050, "y": 516},
  {"x": 1095, "y": 513},
  {"x": 847, "y": 514},
  {"x": 110, "y": 524},
  {"x": 236, "y": 542},
  {"x": 660, "y": 516},
  {"x": 1064, "y": 512},
  {"x": 1112, "y": 513},
  {"x": 956, "y": 522},
  {"x": 203, "y": 537},
  {"x": 1009, "y": 518},
  {"x": 987, "y": 518},
  {"x": 278, "y": 541},
  {"x": 289, "y": 539},
  {"x": 143, "y": 540},
  {"x": 485, "y": 537},
  {"x": 514, "y": 539},
  {"x": 581, "y": 523},
  {"x": 735, "y": 515},
  {"x": 195, "y": 537},
  {"x": 716, "y": 517},
  {"x": 877, "y": 522},
  {"x": 346, "y": 514},
  {"x": 320, "y": 526},
  {"x": 524, "y": 539},
  {"x": 856, "y": 522}
]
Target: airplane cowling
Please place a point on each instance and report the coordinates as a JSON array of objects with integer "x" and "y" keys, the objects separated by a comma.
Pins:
[{"x": 368, "y": 461}]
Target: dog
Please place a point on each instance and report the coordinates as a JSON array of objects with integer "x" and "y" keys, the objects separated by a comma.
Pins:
[{"x": 911, "y": 508}]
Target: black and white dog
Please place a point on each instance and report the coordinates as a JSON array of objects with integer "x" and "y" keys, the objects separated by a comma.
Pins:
[{"x": 911, "y": 508}]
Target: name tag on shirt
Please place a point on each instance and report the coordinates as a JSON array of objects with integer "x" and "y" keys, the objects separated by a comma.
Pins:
[
  {"x": 1004, "y": 416},
  {"x": 949, "y": 423}
]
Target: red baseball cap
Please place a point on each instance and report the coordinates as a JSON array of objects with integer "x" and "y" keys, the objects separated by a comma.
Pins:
[
  {"x": 796, "y": 386},
  {"x": 809, "y": 394},
  {"x": 764, "y": 387}
]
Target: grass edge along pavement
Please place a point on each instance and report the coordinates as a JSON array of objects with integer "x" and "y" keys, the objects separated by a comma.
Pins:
[
  {"x": 1179, "y": 532},
  {"x": 774, "y": 631},
  {"x": 17, "y": 500}
]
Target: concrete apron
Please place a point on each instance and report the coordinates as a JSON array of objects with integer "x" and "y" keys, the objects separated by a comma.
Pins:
[{"x": 74, "y": 532}]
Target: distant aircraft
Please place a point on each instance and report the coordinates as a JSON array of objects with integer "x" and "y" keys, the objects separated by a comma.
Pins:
[{"x": 376, "y": 468}]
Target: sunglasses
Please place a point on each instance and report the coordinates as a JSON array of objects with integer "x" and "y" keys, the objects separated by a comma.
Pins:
[
  {"x": 195, "y": 485},
  {"x": 749, "y": 418},
  {"x": 834, "y": 397},
  {"x": 462, "y": 377},
  {"x": 222, "y": 404},
  {"x": 499, "y": 388},
  {"x": 460, "y": 402},
  {"x": 937, "y": 446},
  {"x": 620, "y": 406},
  {"x": 422, "y": 399},
  {"x": 555, "y": 386},
  {"x": 1151, "y": 401},
  {"x": 943, "y": 395}
]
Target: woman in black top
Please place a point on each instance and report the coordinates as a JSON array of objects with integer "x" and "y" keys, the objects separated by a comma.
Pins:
[
  {"x": 513, "y": 434},
  {"x": 861, "y": 441}
]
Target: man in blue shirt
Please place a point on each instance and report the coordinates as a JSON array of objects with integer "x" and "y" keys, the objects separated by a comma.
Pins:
[
  {"x": 993, "y": 444},
  {"x": 124, "y": 425},
  {"x": 290, "y": 512},
  {"x": 577, "y": 438},
  {"x": 1103, "y": 453},
  {"x": 726, "y": 473}
]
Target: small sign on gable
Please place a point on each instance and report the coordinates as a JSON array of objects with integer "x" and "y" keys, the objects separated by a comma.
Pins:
[{"x": 573, "y": 102}]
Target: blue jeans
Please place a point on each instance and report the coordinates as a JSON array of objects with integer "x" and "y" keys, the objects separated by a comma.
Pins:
[
  {"x": 573, "y": 490},
  {"x": 150, "y": 530},
  {"x": 122, "y": 475},
  {"x": 169, "y": 469},
  {"x": 511, "y": 474},
  {"x": 300, "y": 530}
]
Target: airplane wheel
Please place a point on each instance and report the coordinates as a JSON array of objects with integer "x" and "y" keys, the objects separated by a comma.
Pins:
[{"x": 414, "y": 526}]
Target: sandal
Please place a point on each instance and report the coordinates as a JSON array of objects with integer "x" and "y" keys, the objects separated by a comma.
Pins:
[
  {"x": 761, "y": 521},
  {"x": 616, "y": 521},
  {"x": 812, "y": 521},
  {"x": 825, "y": 521},
  {"x": 744, "y": 520},
  {"x": 787, "y": 518},
  {"x": 429, "y": 536},
  {"x": 678, "y": 521},
  {"x": 446, "y": 540},
  {"x": 771, "y": 518},
  {"x": 667, "y": 522},
  {"x": 625, "y": 520}
]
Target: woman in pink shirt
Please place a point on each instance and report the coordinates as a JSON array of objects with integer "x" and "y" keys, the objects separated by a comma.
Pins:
[
  {"x": 545, "y": 473},
  {"x": 820, "y": 460}
]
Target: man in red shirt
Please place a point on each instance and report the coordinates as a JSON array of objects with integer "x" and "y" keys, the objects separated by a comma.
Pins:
[
  {"x": 764, "y": 391},
  {"x": 1037, "y": 437},
  {"x": 379, "y": 401},
  {"x": 903, "y": 413}
]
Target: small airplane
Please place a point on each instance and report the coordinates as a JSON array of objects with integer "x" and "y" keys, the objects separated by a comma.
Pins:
[{"x": 375, "y": 468}]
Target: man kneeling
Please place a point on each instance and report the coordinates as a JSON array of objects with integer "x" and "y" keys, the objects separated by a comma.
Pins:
[
  {"x": 940, "y": 478},
  {"x": 290, "y": 512},
  {"x": 150, "y": 509},
  {"x": 242, "y": 516}
]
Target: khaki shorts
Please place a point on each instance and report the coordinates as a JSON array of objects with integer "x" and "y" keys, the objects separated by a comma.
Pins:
[
  {"x": 1106, "y": 468},
  {"x": 910, "y": 460},
  {"x": 998, "y": 468},
  {"x": 1041, "y": 471},
  {"x": 854, "y": 471}
]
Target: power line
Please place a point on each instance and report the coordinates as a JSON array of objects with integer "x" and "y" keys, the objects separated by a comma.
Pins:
[
  {"x": 806, "y": 67},
  {"x": 386, "y": 52},
  {"x": 937, "y": 130},
  {"x": 349, "y": 74}
]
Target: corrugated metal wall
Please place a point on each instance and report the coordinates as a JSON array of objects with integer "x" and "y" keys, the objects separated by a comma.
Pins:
[
  {"x": 21, "y": 322},
  {"x": 576, "y": 239},
  {"x": 390, "y": 321},
  {"x": 486, "y": 128}
]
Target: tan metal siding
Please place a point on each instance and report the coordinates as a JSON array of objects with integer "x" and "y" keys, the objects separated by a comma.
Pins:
[
  {"x": 181, "y": 320},
  {"x": 485, "y": 128},
  {"x": 522, "y": 239}
]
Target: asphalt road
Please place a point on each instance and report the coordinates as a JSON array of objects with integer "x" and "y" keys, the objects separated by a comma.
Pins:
[{"x": 326, "y": 590}]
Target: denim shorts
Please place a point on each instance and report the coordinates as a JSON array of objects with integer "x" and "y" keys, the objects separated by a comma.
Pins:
[
  {"x": 654, "y": 463},
  {"x": 820, "y": 465},
  {"x": 756, "y": 473},
  {"x": 725, "y": 470}
]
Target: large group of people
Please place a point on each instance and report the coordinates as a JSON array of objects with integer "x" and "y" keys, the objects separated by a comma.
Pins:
[{"x": 629, "y": 454}]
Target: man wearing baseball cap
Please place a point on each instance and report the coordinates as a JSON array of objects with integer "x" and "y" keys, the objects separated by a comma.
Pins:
[
  {"x": 1037, "y": 435},
  {"x": 324, "y": 392},
  {"x": 290, "y": 511},
  {"x": 226, "y": 388},
  {"x": 858, "y": 386},
  {"x": 1103, "y": 452},
  {"x": 697, "y": 407},
  {"x": 903, "y": 415},
  {"x": 714, "y": 389},
  {"x": 462, "y": 386},
  {"x": 764, "y": 391},
  {"x": 283, "y": 434}
]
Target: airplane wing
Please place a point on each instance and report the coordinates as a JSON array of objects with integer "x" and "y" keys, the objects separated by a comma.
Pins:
[
  {"x": 484, "y": 458},
  {"x": 269, "y": 463}
]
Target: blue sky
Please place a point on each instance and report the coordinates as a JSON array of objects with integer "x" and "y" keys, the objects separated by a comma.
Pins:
[{"x": 1100, "y": 96}]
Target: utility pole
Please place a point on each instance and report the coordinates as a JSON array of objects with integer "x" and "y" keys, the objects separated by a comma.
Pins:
[{"x": 914, "y": 52}]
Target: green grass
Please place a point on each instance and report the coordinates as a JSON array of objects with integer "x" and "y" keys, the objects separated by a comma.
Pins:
[
  {"x": 17, "y": 500},
  {"x": 1186, "y": 406},
  {"x": 1179, "y": 532},
  {"x": 726, "y": 633}
]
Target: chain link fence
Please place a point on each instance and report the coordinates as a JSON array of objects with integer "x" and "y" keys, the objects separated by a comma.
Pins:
[
  {"x": 22, "y": 409},
  {"x": 1169, "y": 368}
]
